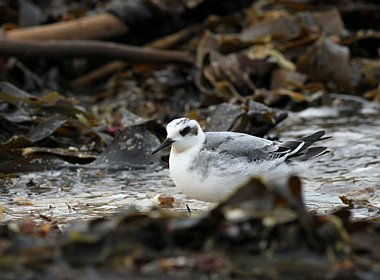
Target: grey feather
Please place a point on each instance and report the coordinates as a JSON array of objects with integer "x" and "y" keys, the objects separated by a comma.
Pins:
[
  {"x": 239, "y": 145},
  {"x": 255, "y": 148}
]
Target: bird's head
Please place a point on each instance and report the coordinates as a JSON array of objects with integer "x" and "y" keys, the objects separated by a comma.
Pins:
[{"x": 183, "y": 134}]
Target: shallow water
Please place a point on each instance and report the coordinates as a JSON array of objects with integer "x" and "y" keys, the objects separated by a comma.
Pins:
[{"x": 352, "y": 168}]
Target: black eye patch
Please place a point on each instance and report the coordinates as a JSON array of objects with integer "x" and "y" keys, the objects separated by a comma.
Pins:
[
  {"x": 189, "y": 131},
  {"x": 185, "y": 131}
]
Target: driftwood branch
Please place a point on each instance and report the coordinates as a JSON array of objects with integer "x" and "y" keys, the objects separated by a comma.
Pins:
[
  {"x": 112, "y": 67},
  {"x": 59, "y": 49},
  {"x": 104, "y": 71},
  {"x": 99, "y": 26}
]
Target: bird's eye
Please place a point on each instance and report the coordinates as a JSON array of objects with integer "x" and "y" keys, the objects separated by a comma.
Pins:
[{"x": 185, "y": 131}]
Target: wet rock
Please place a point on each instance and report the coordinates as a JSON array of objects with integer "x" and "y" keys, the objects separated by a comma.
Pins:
[
  {"x": 131, "y": 148},
  {"x": 253, "y": 118},
  {"x": 223, "y": 116}
]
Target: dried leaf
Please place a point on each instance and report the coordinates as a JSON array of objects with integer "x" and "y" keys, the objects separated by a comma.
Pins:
[
  {"x": 278, "y": 25},
  {"x": 164, "y": 201}
]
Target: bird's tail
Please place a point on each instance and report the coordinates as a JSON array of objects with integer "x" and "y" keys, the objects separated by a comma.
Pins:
[{"x": 301, "y": 150}]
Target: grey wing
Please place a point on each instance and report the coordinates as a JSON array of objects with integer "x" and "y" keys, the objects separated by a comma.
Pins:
[{"x": 240, "y": 145}]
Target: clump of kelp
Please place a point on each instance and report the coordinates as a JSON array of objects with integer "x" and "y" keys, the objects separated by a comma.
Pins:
[
  {"x": 52, "y": 132},
  {"x": 263, "y": 231}
]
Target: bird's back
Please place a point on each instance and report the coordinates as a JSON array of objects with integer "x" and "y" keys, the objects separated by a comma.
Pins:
[{"x": 239, "y": 145}]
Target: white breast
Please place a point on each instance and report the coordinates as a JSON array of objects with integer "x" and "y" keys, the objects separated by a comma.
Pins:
[
  {"x": 223, "y": 176},
  {"x": 211, "y": 188}
]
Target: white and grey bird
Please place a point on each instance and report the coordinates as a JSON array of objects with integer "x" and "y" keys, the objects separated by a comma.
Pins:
[{"x": 210, "y": 166}]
